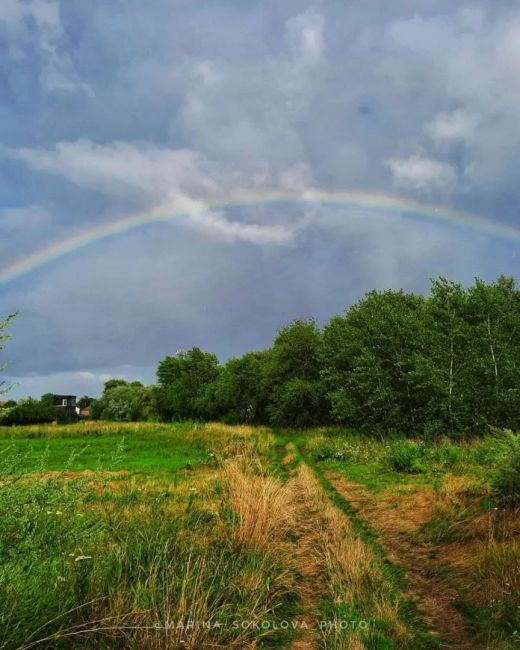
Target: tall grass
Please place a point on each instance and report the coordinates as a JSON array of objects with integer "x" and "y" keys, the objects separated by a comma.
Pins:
[{"x": 164, "y": 569}]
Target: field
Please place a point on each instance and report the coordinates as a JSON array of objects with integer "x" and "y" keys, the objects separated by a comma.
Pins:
[{"x": 211, "y": 536}]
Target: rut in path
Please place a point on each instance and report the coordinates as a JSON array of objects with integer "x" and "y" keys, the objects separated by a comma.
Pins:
[{"x": 394, "y": 527}]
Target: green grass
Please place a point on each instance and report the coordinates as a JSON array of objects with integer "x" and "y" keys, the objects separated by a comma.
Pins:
[
  {"x": 147, "y": 449},
  {"x": 129, "y": 452},
  {"x": 100, "y": 561},
  {"x": 156, "y": 541}
]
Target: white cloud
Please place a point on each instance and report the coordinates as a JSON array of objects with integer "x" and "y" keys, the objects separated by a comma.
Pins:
[
  {"x": 304, "y": 35},
  {"x": 452, "y": 126},
  {"x": 124, "y": 169},
  {"x": 216, "y": 225},
  {"x": 179, "y": 180},
  {"x": 421, "y": 173}
]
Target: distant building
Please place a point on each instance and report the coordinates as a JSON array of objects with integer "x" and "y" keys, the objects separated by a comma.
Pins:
[
  {"x": 64, "y": 401},
  {"x": 85, "y": 411}
]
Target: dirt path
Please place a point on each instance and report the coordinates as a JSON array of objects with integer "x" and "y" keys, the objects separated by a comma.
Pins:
[
  {"x": 308, "y": 561},
  {"x": 394, "y": 521}
]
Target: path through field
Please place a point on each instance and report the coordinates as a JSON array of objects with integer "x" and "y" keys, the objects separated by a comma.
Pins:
[
  {"x": 339, "y": 573},
  {"x": 394, "y": 527}
]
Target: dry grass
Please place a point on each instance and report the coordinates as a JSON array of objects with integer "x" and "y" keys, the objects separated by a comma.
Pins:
[
  {"x": 353, "y": 573},
  {"x": 492, "y": 572},
  {"x": 262, "y": 504}
]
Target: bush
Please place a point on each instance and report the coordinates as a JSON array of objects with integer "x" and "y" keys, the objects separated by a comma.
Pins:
[
  {"x": 406, "y": 457},
  {"x": 29, "y": 411},
  {"x": 506, "y": 477},
  {"x": 447, "y": 455}
]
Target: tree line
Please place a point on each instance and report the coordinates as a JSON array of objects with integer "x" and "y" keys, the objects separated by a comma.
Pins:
[{"x": 393, "y": 363}]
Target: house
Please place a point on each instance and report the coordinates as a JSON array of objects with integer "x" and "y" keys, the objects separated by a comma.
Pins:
[{"x": 64, "y": 401}]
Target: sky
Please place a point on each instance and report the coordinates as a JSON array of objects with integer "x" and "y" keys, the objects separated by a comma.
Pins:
[{"x": 120, "y": 108}]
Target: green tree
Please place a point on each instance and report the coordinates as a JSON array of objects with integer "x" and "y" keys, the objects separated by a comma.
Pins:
[
  {"x": 30, "y": 411},
  {"x": 293, "y": 376},
  {"x": 186, "y": 385},
  {"x": 494, "y": 314},
  {"x": 240, "y": 390},
  {"x": 85, "y": 401},
  {"x": 369, "y": 359}
]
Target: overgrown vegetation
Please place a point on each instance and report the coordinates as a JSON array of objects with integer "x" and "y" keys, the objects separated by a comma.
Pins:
[{"x": 449, "y": 510}]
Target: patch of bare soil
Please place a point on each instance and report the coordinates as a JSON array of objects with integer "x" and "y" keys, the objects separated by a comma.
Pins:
[{"x": 395, "y": 518}]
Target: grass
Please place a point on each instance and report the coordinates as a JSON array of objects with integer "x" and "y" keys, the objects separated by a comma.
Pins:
[
  {"x": 143, "y": 448},
  {"x": 468, "y": 495},
  {"x": 101, "y": 558},
  {"x": 202, "y": 536}
]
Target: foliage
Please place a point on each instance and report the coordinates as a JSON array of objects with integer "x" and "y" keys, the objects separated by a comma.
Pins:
[
  {"x": 240, "y": 391},
  {"x": 506, "y": 476},
  {"x": 293, "y": 375},
  {"x": 123, "y": 401},
  {"x": 406, "y": 457},
  {"x": 445, "y": 364},
  {"x": 85, "y": 401},
  {"x": 32, "y": 411},
  {"x": 395, "y": 363},
  {"x": 185, "y": 385}
]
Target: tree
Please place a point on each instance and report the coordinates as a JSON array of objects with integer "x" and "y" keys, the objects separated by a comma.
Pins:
[
  {"x": 240, "y": 391},
  {"x": 494, "y": 314},
  {"x": 293, "y": 377},
  {"x": 84, "y": 401},
  {"x": 369, "y": 359},
  {"x": 30, "y": 411},
  {"x": 186, "y": 383}
]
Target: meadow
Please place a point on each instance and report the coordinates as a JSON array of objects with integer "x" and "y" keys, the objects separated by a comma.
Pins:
[{"x": 195, "y": 536}]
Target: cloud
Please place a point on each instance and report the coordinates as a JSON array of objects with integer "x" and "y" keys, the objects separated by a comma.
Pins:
[
  {"x": 179, "y": 180},
  {"x": 124, "y": 169},
  {"x": 35, "y": 28},
  {"x": 452, "y": 127},
  {"x": 424, "y": 174},
  {"x": 215, "y": 224},
  {"x": 304, "y": 34}
]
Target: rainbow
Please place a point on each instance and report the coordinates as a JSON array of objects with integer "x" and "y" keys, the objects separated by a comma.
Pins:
[{"x": 373, "y": 202}]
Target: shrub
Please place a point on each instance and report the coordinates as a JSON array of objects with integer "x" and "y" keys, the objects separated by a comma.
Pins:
[
  {"x": 446, "y": 454},
  {"x": 506, "y": 477},
  {"x": 405, "y": 457}
]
